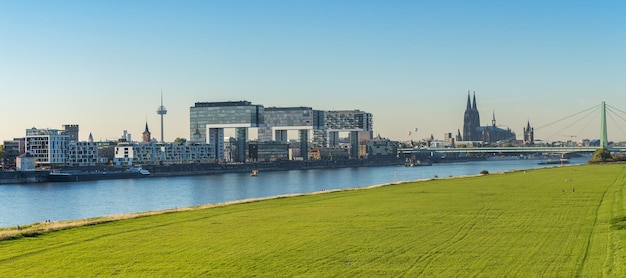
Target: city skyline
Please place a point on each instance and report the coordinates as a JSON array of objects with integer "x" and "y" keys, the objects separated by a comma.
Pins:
[{"x": 102, "y": 65}]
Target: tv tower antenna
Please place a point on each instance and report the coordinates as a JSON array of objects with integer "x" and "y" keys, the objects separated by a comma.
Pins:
[{"x": 162, "y": 111}]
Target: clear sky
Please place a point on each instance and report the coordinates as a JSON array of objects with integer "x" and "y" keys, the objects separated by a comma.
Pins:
[{"x": 103, "y": 64}]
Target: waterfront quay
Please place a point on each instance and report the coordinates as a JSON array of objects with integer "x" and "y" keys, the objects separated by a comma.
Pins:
[{"x": 170, "y": 170}]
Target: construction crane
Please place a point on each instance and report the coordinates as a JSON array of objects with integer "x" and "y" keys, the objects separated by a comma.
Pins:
[{"x": 571, "y": 137}]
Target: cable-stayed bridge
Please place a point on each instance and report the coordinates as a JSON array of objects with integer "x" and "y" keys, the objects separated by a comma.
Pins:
[
  {"x": 507, "y": 150},
  {"x": 604, "y": 143}
]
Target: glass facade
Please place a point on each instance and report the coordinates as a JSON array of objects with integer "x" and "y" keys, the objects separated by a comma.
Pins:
[
  {"x": 343, "y": 121},
  {"x": 289, "y": 118},
  {"x": 223, "y": 113},
  {"x": 348, "y": 120}
]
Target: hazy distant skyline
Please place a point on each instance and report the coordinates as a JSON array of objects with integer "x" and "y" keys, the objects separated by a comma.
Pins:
[{"x": 103, "y": 64}]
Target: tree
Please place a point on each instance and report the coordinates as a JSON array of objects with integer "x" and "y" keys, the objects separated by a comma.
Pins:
[
  {"x": 180, "y": 140},
  {"x": 601, "y": 155}
]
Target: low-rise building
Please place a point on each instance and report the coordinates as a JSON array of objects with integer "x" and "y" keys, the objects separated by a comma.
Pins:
[
  {"x": 381, "y": 147},
  {"x": 337, "y": 153},
  {"x": 12, "y": 149},
  {"x": 268, "y": 151},
  {"x": 25, "y": 162},
  {"x": 137, "y": 153},
  {"x": 82, "y": 154}
]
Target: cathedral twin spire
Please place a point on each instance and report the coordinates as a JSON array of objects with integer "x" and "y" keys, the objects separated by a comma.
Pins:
[
  {"x": 472, "y": 130},
  {"x": 471, "y": 105},
  {"x": 471, "y": 120}
]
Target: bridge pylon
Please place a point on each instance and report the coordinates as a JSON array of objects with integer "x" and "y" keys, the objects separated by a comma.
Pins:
[{"x": 604, "y": 142}]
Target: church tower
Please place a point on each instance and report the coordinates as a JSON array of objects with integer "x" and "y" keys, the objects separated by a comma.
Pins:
[
  {"x": 529, "y": 135},
  {"x": 476, "y": 115},
  {"x": 471, "y": 120},
  {"x": 146, "y": 134},
  {"x": 197, "y": 136}
]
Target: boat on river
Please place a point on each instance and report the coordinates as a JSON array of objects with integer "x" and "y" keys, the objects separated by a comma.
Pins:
[
  {"x": 82, "y": 175},
  {"x": 411, "y": 163},
  {"x": 555, "y": 161}
]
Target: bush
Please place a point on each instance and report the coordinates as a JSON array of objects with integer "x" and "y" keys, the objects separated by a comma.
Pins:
[
  {"x": 484, "y": 172},
  {"x": 619, "y": 157},
  {"x": 601, "y": 155}
]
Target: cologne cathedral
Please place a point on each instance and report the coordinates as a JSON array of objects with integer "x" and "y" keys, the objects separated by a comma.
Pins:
[{"x": 472, "y": 131}]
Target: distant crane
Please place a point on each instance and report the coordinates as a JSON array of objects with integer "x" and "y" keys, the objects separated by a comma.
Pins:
[{"x": 571, "y": 137}]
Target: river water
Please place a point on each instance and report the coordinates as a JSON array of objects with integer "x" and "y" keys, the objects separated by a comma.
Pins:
[{"x": 28, "y": 203}]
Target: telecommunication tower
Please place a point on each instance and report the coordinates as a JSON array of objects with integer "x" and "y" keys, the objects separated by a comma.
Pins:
[{"x": 162, "y": 111}]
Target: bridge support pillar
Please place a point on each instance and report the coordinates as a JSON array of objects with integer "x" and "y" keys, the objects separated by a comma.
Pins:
[{"x": 604, "y": 143}]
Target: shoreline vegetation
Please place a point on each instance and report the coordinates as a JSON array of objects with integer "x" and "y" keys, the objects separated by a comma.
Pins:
[{"x": 558, "y": 221}]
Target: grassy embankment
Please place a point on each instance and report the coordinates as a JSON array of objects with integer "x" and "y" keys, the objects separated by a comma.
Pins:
[{"x": 564, "y": 222}]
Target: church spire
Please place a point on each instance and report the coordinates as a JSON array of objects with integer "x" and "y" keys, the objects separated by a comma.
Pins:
[
  {"x": 469, "y": 104},
  {"x": 474, "y": 104},
  {"x": 147, "y": 136}
]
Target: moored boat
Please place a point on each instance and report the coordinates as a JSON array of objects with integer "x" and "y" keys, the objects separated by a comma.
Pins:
[
  {"x": 555, "y": 161},
  {"x": 81, "y": 175}
]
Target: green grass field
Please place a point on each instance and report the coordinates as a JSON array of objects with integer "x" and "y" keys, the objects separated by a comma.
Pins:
[{"x": 558, "y": 222}]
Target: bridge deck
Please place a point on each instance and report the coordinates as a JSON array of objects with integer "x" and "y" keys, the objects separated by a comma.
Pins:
[{"x": 508, "y": 150}]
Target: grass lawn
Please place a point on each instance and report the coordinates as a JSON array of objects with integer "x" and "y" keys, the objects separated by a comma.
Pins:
[{"x": 563, "y": 222}]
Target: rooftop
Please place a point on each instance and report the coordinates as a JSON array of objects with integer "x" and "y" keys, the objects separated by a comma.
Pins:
[{"x": 223, "y": 103}]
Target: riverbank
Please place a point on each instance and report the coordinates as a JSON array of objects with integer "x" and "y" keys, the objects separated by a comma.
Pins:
[
  {"x": 40, "y": 228},
  {"x": 518, "y": 224},
  {"x": 30, "y": 203}
]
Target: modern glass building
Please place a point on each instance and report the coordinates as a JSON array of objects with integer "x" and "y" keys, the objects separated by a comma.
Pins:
[
  {"x": 356, "y": 122},
  {"x": 207, "y": 121},
  {"x": 279, "y": 120}
]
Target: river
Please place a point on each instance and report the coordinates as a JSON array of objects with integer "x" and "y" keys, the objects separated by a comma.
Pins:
[{"x": 28, "y": 203}]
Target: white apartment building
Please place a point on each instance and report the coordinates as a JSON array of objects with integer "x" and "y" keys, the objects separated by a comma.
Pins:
[
  {"x": 136, "y": 153},
  {"x": 82, "y": 154},
  {"x": 47, "y": 146},
  {"x": 51, "y": 147}
]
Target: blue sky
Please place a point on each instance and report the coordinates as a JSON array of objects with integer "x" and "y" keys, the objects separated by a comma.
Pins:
[{"x": 103, "y": 64}]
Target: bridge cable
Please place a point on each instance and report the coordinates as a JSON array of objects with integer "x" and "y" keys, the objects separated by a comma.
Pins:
[
  {"x": 557, "y": 121},
  {"x": 610, "y": 109},
  {"x": 613, "y": 107},
  {"x": 588, "y": 112},
  {"x": 591, "y": 119},
  {"x": 574, "y": 123}
]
